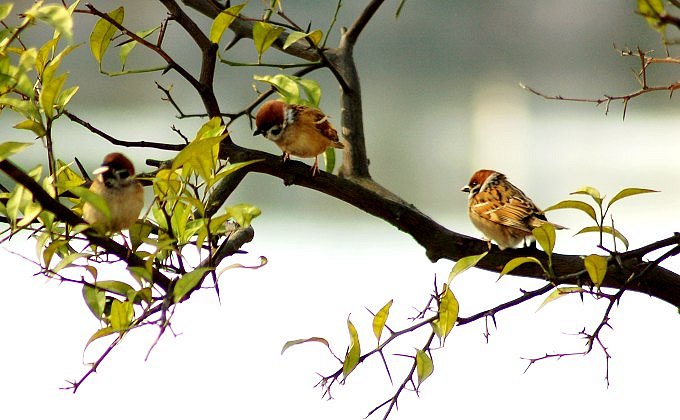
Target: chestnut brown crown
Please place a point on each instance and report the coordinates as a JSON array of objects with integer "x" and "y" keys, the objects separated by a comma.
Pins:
[
  {"x": 116, "y": 170},
  {"x": 270, "y": 117}
]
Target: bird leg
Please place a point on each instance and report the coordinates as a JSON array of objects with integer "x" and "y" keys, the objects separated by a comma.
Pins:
[{"x": 315, "y": 168}]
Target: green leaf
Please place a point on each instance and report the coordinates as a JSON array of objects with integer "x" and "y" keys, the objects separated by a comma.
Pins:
[
  {"x": 424, "y": 366},
  {"x": 122, "y": 314},
  {"x": 5, "y": 10},
  {"x": 329, "y": 159},
  {"x": 285, "y": 85},
  {"x": 312, "y": 90},
  {"x": 545, "y": 236},
  {"x": 127, "y": 48},
  {"x": 103, "y": 31},
  {"x": 596, "y": 266},
  {"x": 188, "y": 282},
  {"x": 592, "y": 192},
  {"x": 295, "y": 36},
  {"x": 223, "y": 20},
  {"x": 558, "y": 293},
  {"x": 243, "y": 213},
  {"x": 353, "y": 353},
  {"x": 292, "y": 343},
  {"x": 264, "y": 35},
  {"x": 627, "y": 192},
  {"x": 464, "y": 263},
  {"x": 516, "y": 262},
  {"x": 380, "y": 319},
  {"x": 95, "y": 300},
  {"x": 606, "y": 229},
  {"x": 9, "y": 148},
  {"x": 448, "y": 314},
  {"x": 575, "y": 204}
]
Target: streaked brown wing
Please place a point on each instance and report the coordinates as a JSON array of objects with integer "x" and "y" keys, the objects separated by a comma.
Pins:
[
  {"x": 513, "y": 213},
  {"x": 319, "y": 120}
]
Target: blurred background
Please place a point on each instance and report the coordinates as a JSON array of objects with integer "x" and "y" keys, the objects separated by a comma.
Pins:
[{"x": 441, "y": 100}]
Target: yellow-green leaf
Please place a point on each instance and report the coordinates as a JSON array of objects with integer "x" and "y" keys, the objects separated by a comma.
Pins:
[
  {"x": 353, "y": 353},
  {"x": 96, "y": 200},
  {"x": 627, "y": 192},
  {"x": 127, "y": 48},
  {"x": 49, "y": 93},
  {"x": 33, "y": 126},
  {"x": 199, "y": 156},
  {"x": 292, "y": 343},
  {"x": 652, "y": 10},
  {"x": 5, "y": 10},
  {"x": 380, "y": 319},
  {"x": 230, "y": 169},
  {"x": 558, "y": 293},
  {"x": 243, "y": 213},
  {"x": 58, "y": 17},
  {"x": 606, "y": 229},
  {"x": 122, "y": 314},
  {"x": 68, "y": 260},
  {"x": 264, "y": 35},
  {"x": 223, "y": 20},
  {"x": 115, "y": 286},
  {"x": 295, "y": 36},
  {"x": 95, "y": 300},
  {"x": 575, "y": 204},
  {"x": 188, "y": 282},
  {"x": 103, "y": 332},
  {"x": 596, "y": 266},
  {"x": 545, "y": 236},
  {"x": 448, "y": 314},
  {"x": 424, "y": 366},
  {"x": 516, "y": 262},
  {"x": 30, "y": 212},
  {"x": 8, "y": 148},
  {"x": 591, "y": 191},
  {"x": 103, "y": 31},
  {"x": 463, "y": 264}
]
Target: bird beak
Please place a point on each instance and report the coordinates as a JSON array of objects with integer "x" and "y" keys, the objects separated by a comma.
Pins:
[
  {"x": 466, "y": 189},
  {"x": 256, "y": 132},
  {"x": 100, "y": 170}
]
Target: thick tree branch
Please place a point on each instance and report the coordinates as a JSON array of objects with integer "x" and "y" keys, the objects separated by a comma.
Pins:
[
  {"x": 65, "y": 214},
  {"x": 440, "y": 242}
]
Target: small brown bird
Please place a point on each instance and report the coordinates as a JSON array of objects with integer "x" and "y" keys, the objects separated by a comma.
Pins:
[
  {"x": 298, "y": 130},
  {"x": 116, "y": 183},
  {"x": 501, "y": 211}
]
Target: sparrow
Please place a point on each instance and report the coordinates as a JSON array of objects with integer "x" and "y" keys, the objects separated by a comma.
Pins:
[
  {"x": 115, "y": 182},
  {"x": 298, "y": 130},
  {"x": 501, "y": 211}
]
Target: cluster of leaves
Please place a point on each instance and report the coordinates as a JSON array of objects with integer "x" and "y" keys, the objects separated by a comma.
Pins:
[
  {"x": 30, "y": 81},
  {"x": 180, "y": 239}
]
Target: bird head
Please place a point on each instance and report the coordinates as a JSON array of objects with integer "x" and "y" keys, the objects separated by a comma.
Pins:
[
  {"x": 116, "y": 171},
  {"x": 480, "y": 180},
  {"x": 270, "y": 120}
]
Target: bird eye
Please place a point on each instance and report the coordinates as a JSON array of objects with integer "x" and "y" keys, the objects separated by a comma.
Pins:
[{"x": 275, "y": 131}]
